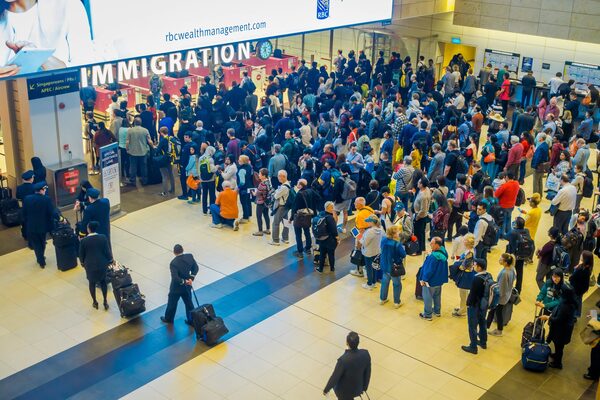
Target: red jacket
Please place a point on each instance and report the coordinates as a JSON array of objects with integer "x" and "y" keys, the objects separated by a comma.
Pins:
[
  {"x": 507, "y": 194},
  {"x": 514, "y": 155}
]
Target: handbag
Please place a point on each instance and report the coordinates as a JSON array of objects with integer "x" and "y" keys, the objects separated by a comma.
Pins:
[
  {"x": 589, "y": 335},
  {"x": 192, "y": 182},
  {"x": 489, "y": 158},
  {"x": 303, "y": 217},
  {"x": 397, "y": 269},
  {"x": 553, "y": 209},
  {"x": 515, "y": 297},
  {"x": 376, "y": 263},
  {"x": 543, "y": 167},
  {"x": 357, "y": 258}
]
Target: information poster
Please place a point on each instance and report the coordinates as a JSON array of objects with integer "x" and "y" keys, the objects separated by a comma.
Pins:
[
  {"x": 582, "y": 73},
  {"x": 73, "y": 33},
  {"x": 499, "y": 59},
  {"x": 109, "y": 167}
]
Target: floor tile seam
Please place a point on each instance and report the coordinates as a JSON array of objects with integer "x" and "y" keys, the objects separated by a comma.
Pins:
[{"x": 383, "y": 344}]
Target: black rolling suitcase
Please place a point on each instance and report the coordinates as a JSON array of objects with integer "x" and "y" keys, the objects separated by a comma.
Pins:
[
  {"x": 66, "y": 246},
  {"x": 200, "y": 315},
  {"x": 131, "y": 300},
  {"x": 10, "y": 212},
  {"x": 154, "y": 177}
]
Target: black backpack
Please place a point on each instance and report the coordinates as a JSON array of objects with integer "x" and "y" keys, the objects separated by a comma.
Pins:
[
  {"x": 560, "y": 258},
  {"x": 319, "y": 226},
  {"x": 462, "y": 166},
  {"x": 520, "y": 197},
  {"x": 588, "y": 184},
  {"x": 490, "y": 237},
  {"x": 525, "y": 246}
]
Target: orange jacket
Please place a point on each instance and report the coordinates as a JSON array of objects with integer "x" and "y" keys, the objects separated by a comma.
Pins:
[{"x": 228, "y": 202}]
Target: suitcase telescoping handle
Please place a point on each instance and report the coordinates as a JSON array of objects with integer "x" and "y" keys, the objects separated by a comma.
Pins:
[{"x": 195, "y": 297}]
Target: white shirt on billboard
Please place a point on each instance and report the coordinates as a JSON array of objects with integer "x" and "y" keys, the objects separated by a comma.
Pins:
[{"x": 50, "y": 24}]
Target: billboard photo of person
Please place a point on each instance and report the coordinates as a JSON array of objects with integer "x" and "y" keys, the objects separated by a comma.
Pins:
[{"x": 59, "y": 29}]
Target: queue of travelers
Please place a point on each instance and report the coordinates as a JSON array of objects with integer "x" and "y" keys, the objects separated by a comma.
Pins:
[{"x": 407, "y": 158}]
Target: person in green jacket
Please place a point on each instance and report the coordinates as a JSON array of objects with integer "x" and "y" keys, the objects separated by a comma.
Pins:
[{"x": 549, "y": 296}]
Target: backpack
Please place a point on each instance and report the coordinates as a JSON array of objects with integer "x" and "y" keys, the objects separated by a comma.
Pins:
[
  {"x": 464, "y": 204},
  {"x": 349, "y": 190},
  {"x": 588, "y": 185},
  {"x": 525, "y": 247},
  {"x": 366, "y": 148},
  {"x": 497, "y": 213},
  {"x": 155, "y": 85},
  {"x": 289, "y": 202},
  {"x": 204, "y": 167},
  {"x": 250, "y": 86},
  {"x": 490, "y": 237},
  {"x": 319, "y": 227},
  {"x": 491, "y": 294},
  {"x": 462, "y": 166},
  {"x": 560, "y": 258},
  {"x": 520, "y": 197}
]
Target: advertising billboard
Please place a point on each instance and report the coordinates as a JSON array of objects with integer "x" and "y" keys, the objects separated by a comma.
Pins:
[{"x": 43, "y": 35}]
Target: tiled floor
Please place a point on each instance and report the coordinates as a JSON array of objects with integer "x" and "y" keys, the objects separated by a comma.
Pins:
[{"x": 291, "y": 354}]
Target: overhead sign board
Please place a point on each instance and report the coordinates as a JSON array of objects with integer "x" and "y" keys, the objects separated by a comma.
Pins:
[
  {"x": 65, "y": 29},
  {"x": 53, "y": 85}
]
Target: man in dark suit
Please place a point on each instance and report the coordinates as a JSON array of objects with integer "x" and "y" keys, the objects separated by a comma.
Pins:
[
  {"x": 352, "y": 371},
  {"x": 24, "y": 190},
  {"x": 524, "y": 122},
  {"x": 95, "y": 256},
  {"x": 38, "y": 213},
  {"x": 98, "y": 210},
  {"x": 183, "y": 271}
]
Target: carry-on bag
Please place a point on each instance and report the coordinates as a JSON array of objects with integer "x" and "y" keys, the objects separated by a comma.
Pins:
[
  {"x": 535, "y": 351},
  {"x": 199, "y": 315},
  {"x": 132, "y": 301}
]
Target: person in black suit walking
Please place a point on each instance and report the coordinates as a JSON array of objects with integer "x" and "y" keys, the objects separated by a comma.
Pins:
[
  {"x": 352, "y": 371},
  {"x": 97, "y": 210},
  {"x": 183, "y": 271},
  {"x": 38, "y": 214},
  {"x": 95, "y": 256},
  {"x": 24, "y": 190}
]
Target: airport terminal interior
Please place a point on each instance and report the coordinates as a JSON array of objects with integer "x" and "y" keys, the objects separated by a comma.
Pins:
[{"x": 289, "y": 320}]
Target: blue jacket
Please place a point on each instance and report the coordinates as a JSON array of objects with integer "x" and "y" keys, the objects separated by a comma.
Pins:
[
  {"x": 391, "y": 250},
  {"x": 407, "y": 133},
  {"x": 540, "y": 155},
  {"x": 435, "y": 268}
]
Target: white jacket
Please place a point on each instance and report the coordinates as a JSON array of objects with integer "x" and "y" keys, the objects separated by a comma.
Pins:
[{"x": 62, "y": 25}]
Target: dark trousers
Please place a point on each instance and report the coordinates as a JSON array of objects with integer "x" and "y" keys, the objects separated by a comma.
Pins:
[
  {"x": 519, "y": 271},
  {"x": 92, "y": 288},
  {"x": 561, "y": 220},
  {"x": 124, "y": 163},
  {"x": 182, "y": 180},
  {"x": 594, "y": 368},
  {"x": 262, "y": 211},
  {"x": 186, "y": 295},
  {"x": 298, "y": 231},
  {"x": 328, "y": 251},
  {"x": 455, "y": 219},
  {"x": 38, "y": 242},
  {"x": 558, "y": 353},
  {"x": 138, "y": 165},
  {"x": 504, "y": 108},
  {"x": 419, "y": 230},
  {"x": 208, "y": 194},
  {"x": 477, "y": 326},
  {"x": 246, "y": 204},
  {"x": 497, "y": 312},
  {"x": 525, "y": 98}
]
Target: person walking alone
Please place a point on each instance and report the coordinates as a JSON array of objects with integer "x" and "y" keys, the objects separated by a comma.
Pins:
[{"x": 183, "y": 272}]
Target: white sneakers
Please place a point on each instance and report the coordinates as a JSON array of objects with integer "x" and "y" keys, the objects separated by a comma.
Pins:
[
  {"x": 217, "y": 226},
  {"x": 367, "y": 286},
  {"x": 356, "y": 272}
]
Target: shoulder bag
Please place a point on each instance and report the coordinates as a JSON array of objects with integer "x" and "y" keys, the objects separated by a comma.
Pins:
[{"x": 303, "y": 217}]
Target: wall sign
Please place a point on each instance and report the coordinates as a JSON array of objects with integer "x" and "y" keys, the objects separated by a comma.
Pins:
[
  {"x": 53, "y": 85},
  {"x": 499, "y": 59},
  {"x": 545, "y": 66},
  {"x": 527, "y": 64},
  {"x": 109, "y": 167}
]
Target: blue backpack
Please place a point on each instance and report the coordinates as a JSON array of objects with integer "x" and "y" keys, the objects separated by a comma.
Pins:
[{"x": 491, "y": 295}]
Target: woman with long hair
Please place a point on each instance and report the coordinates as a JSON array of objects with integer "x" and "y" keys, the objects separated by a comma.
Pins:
[
  {"x": 562, "y": 322},
  {"x": 506, "y": 281},
  {"x": 580, "y": 278}
]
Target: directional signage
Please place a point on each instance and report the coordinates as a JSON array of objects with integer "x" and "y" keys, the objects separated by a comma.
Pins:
[{"x": 53, "y": 85}]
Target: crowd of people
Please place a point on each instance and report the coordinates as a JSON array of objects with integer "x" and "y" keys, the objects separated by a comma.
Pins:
[{"x": 407, "y": 155}]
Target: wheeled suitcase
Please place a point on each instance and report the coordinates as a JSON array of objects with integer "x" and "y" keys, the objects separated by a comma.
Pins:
[
  {"x": 533, "y": 330},
  {"x": 213, "y": 330},
  {"x": 10, "y": 212},
  {"x": 418, "y": 287},
  {"x": 535, "y": 350},
  {"x": 131, "y": 301},
  {"x": 154, "y": 177},
  {"x": 66, "y": 246},
  {"x": 200, "y": 315},
  {"x": 120, "y": 278}
]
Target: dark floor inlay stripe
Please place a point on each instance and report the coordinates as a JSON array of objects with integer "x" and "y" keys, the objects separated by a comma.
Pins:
[{"x": 127, "y": 357}]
